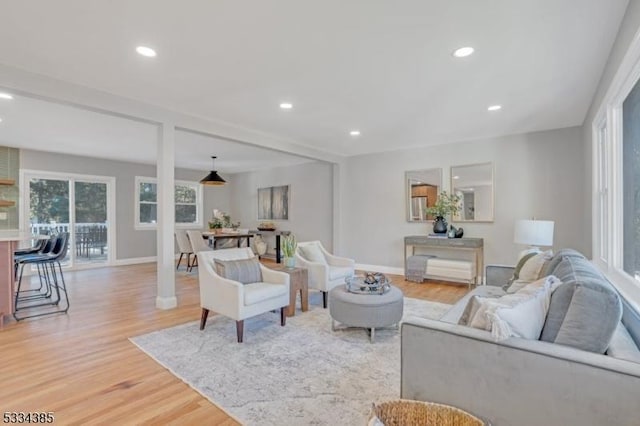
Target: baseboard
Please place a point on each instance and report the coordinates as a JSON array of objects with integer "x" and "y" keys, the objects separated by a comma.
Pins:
[
  {"x": 379, "y": 268},
  {"x": 134, "y": 260}
]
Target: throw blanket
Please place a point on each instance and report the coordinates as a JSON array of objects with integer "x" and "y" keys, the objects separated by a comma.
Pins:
[{"x": 416, "y": 267}]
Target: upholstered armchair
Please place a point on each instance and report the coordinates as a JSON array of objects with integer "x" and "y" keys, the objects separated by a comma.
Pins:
[
  {"x": 234, "y": 299},
  {"x": 325, "y": 270}
]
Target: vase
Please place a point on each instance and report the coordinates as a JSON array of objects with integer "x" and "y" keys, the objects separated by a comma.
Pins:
[
  {"x": 290, "y": 262},
  {"x": 439, "y": 225}
]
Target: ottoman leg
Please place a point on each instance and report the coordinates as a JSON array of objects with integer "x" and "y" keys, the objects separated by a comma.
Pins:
[
  {"x": 333, "y": 324},
  {"x": 372, "y": 336}
]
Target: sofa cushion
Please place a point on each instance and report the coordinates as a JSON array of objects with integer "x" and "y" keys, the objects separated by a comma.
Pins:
[
  {"x": 551, "y": 264},
  {"x": 259, "y": 292},
  {"x": 622, "y": 345},
  {"x": 245, "y": 271},
  {"x": 585, "y": 310}
]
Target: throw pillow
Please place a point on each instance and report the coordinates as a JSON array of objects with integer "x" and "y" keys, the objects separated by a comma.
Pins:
[
  {"x": 313, "y": 253},
  {"x": 529, "y": 270},
  {"x": 525, "y": 318},
  {"x": 516, "y": 271},
  {"x": 245, "y": 271}
]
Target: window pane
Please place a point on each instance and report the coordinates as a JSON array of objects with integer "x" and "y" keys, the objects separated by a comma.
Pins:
[
  {"x": 631, "y": 182},
  {"x": 148, "y": 213},
  {"x": 148, "y": 192},
  {"x": 185, "y": 194},
  {"x": 185, "y": 213}
]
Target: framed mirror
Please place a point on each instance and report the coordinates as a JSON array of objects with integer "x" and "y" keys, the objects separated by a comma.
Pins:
[
  {"x": 473, "y": 183},
  {"x": 422, "y": 188}
]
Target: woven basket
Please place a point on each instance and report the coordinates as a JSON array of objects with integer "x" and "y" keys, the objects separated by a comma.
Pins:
[{"x": 418, "y": 413}]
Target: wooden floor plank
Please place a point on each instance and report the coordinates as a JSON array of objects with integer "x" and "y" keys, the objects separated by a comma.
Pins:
[{"x": 82, "y": 366}]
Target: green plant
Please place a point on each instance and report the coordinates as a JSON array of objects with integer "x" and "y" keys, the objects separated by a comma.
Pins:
[
  {"x": 289, "y": 245},
  {"x": 446, "y": 204},
  {"x": 221, "y": 220}
]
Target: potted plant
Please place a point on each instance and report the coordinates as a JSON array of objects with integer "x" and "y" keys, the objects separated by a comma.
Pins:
[
  {"x": 221, "y": 222},
  {"x": 446, "y": 205},
  {"x": 289, "y": 245}
]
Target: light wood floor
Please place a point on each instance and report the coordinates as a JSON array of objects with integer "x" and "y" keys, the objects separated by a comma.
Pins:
[{"x": 82, "y": 367}]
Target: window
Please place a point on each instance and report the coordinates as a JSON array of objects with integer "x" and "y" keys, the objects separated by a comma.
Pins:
[
  {"x": 603, "y": 195},
  {"x": 631, "y": 183},
  {"x": 188, "y": 200}
]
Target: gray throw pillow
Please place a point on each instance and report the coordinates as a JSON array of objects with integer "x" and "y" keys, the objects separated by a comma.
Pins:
[{"x": 245, "y": 271}]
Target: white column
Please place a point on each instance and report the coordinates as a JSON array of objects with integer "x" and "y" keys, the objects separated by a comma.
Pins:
[
  {"x": 166, "y": 298},
  {"x": 338, "y": 191}
]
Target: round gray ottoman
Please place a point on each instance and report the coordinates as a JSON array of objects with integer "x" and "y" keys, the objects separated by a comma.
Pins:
[{"x": 365, "y": 310}]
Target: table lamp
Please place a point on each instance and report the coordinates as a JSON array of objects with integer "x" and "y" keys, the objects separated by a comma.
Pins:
[{"x": 533, "y": 233}]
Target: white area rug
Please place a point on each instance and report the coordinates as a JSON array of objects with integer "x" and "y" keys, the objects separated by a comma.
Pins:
[{"x": 300, "y": 374}]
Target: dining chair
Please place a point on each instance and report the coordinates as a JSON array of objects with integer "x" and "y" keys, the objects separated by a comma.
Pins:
[
  {"x": 184, "y": 245},
  {"x": 198, "y": 244}
]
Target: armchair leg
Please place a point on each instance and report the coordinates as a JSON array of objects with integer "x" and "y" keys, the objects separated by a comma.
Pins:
[
  {"x": 240, "y": 330},
  {"x": 203, "y": 318},
  {"x": 283, "y": 316},
  {"x": 325, "y": 296}
]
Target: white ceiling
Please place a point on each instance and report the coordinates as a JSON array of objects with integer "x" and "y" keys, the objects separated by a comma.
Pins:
[
  {"x": 384, "y": 67},
  {"x": 45, "y": 126}
]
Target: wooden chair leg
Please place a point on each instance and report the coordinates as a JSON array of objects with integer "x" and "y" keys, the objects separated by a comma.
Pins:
[
  {"x": 325, "y": 296},
  {"x": 203, "y": 318},
  {"x": 240, "y": 330},
  {"x": 283, "y": 316}
]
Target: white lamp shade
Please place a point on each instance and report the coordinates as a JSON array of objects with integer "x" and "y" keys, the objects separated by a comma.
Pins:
[{"x": 534, "y": 232}]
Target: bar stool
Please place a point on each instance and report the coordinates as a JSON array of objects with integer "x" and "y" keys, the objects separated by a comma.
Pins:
[{"x": 54, "y": 285}]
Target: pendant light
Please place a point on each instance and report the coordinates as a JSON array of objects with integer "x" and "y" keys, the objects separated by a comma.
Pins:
[{"x": 213, "y": 178}]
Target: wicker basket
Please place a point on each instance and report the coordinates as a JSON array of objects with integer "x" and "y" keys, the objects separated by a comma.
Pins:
[{"x": 418, "y": 413}]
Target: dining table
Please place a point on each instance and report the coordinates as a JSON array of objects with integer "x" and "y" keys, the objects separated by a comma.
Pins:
[
  {"x": 9, "y": 240},
  {"x": 214, "y": 237}
]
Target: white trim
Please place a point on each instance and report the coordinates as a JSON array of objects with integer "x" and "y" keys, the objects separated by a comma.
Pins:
[
  {"x": 135, "y": 261},
  {"x": 199, "y": 223},
  {"x": 380, "y": 268}
]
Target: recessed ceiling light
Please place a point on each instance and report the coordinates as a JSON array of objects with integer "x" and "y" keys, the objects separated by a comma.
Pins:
[
  {"x": 355, "y": 133},
  {"x": 286, "y": 105},
  {"x": 463, "y": 51},
  {"x": 6, "y": 96},
  {"x": 495, "y": 108},
  {"x": 146, "y": 51},
  {"x": 456, "y": 177}
]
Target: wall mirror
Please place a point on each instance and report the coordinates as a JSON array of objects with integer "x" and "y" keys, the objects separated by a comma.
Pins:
[
  {"x": 423, "y": 187},
  {"x": 474, "y": 185}
]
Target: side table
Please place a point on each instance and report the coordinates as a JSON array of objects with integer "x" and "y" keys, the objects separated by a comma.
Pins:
[{"x": 299, "y": 282}]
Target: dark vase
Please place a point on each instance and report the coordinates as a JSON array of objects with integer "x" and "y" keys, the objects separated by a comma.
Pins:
[{"x": 440, "y": 225}]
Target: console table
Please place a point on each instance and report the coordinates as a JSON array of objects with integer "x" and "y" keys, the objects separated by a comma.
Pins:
[
  {"x": 472, "y": 248},
  {"x": 277, "y": 234}
]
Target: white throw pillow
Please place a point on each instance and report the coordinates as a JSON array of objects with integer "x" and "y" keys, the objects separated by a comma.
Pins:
[
  {"x": 487, "y": 305},
  {"x": 313, "y": 253},
  {"x": 526, "y": 317}
]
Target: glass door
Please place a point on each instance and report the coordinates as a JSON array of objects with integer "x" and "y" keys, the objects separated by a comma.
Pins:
[
  {"x": 49, "y": 208},
  {"x": 80, "y": 205},
  {"x": 91, "y": 226}
]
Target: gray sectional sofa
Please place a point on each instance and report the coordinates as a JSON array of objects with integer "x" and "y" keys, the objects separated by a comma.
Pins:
[{"x": 585, "y": 370}]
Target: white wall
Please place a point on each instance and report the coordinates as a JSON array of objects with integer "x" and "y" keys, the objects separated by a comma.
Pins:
[
  {"x": 537, "y": 174},
  {"x": 310, "y": 204}
]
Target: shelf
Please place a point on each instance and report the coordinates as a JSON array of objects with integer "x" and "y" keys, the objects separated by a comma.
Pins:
[
  {"x": 7, "y": 203},
  {"x": 8, "y": 182}
]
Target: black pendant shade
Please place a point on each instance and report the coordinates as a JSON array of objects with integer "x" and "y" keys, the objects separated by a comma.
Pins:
[{"x": 213, "y": 178}]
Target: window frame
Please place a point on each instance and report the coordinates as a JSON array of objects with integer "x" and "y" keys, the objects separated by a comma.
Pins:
[
  {"x": 608, "y": 223},
  {"x": 183, "y": 225}
]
